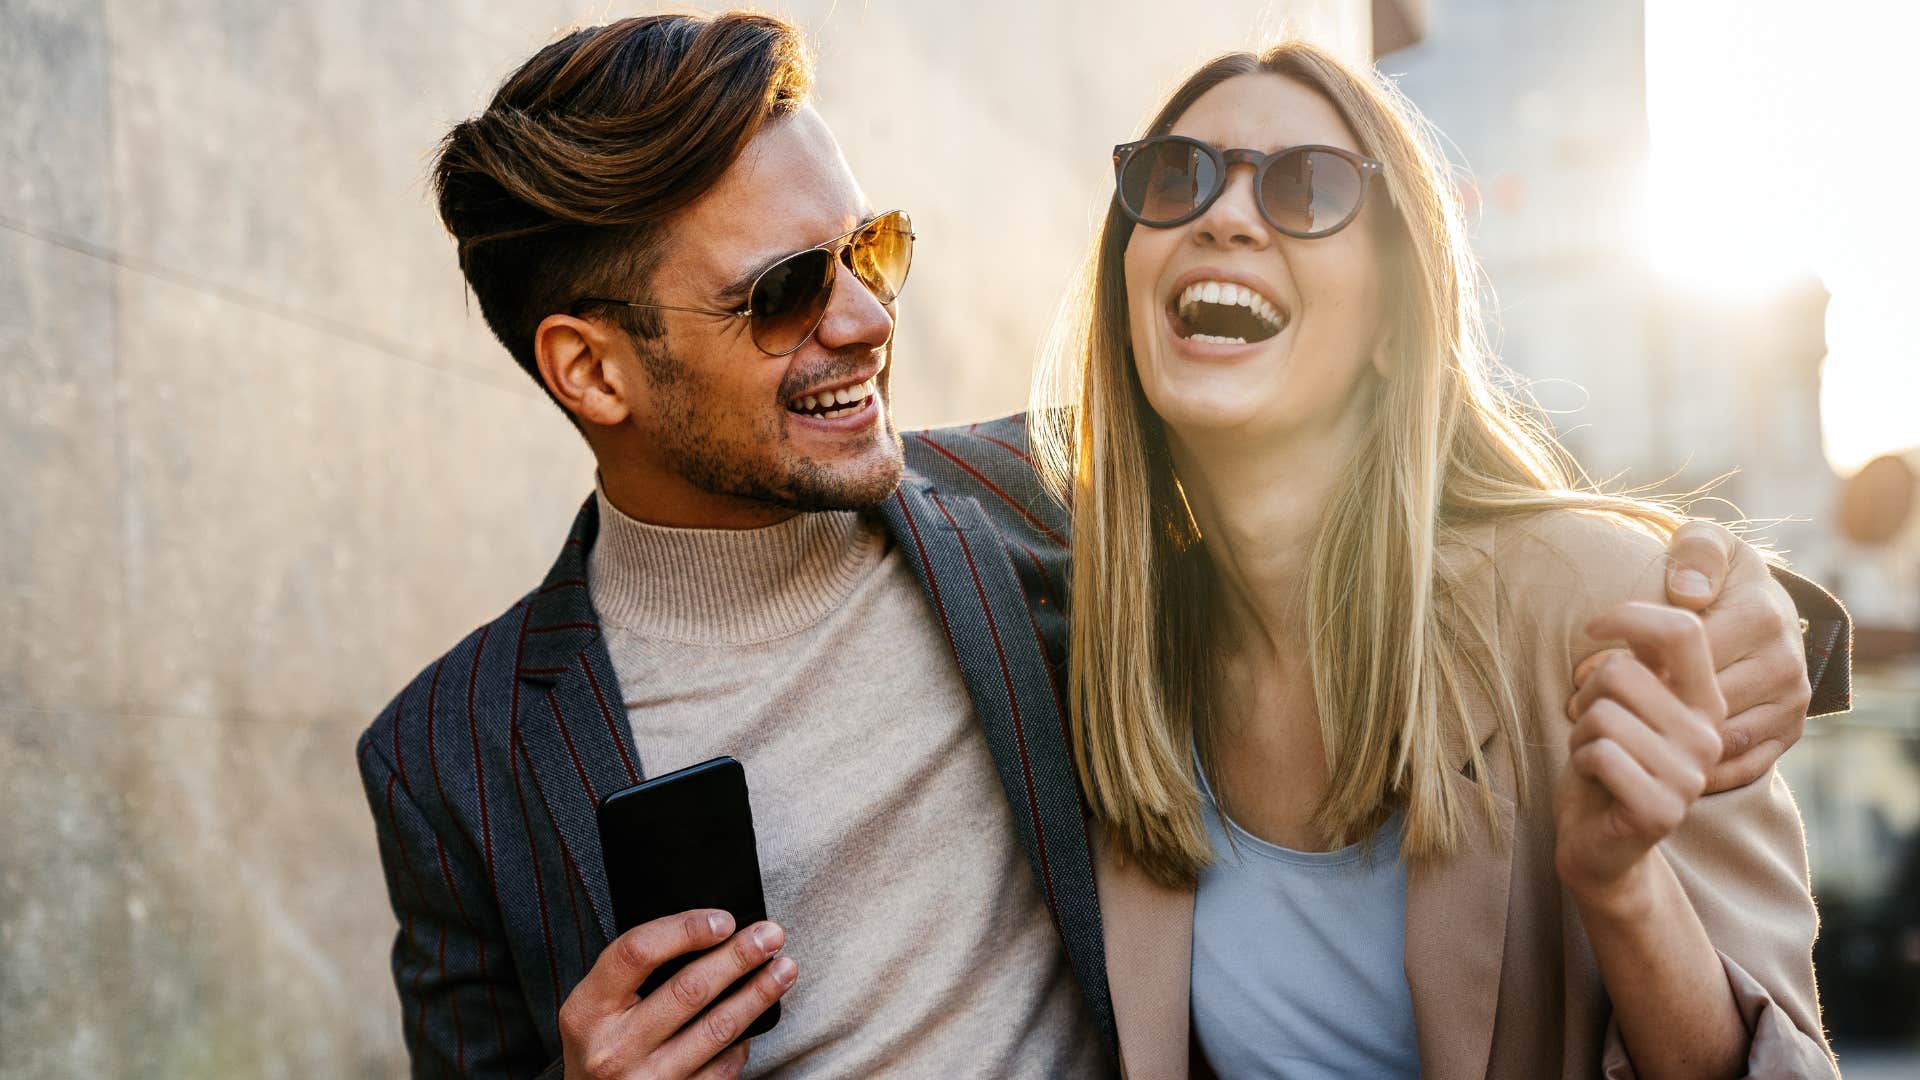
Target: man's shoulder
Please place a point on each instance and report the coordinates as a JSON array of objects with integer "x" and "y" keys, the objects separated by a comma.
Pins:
[
  {"x": 448, "y": 687},
  {"x": 992, "y": 462}
]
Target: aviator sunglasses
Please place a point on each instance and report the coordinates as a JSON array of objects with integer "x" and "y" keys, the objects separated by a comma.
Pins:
[
  {"x": 1303, "y": 191},
  {"x": 788, "y": 299}
]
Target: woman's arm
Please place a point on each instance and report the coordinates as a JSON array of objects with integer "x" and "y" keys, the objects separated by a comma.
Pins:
[{"x": 1647, "y": 729}]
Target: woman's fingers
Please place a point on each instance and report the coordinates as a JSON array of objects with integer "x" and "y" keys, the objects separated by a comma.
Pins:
[
  {"x": 1643, "y": 808},
  {"x": 1678, "y": 769},
  {"x": 1628, "y": 683},
  {"x": 1670, "y": 641}
]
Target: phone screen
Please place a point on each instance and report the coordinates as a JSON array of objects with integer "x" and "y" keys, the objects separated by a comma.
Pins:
[{"x": 679, "y": 842}]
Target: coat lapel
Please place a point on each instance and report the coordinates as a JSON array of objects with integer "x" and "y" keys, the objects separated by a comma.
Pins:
[
  {"x": 1456, "y": 937},
  {"x": 971, "y": 584},
  {"x": 1149, "y": 935},
  {"x": 573, "y": 735},
  {"x": 1457, "y": 906}
]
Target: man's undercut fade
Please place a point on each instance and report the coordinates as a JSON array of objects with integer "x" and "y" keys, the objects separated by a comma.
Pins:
[{"x": 562, "y": 187}]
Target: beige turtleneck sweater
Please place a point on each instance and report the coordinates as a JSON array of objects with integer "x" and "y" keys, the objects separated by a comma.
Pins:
[{"x": 806, "y": 651}]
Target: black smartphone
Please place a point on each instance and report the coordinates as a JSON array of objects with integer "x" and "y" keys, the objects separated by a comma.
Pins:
[{"x": 684, "y": 841}]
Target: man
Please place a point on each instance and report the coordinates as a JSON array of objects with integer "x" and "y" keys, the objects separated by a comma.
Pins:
[{"x": 665, "y": 236}]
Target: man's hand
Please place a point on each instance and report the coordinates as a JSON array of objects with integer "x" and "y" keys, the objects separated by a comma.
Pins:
[
  {"x": 607, "y": 1030},
  {"x": 1759, "y": 657}
]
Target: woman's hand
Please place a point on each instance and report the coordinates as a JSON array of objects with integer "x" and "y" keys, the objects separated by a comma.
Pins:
[{"x": 1646, "y": 731}]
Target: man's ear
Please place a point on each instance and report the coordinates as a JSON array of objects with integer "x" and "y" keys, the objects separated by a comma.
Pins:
[{"x": 581, "y": 363}]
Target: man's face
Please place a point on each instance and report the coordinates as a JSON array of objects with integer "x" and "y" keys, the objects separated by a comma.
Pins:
[{"x": 727, "y": 419}]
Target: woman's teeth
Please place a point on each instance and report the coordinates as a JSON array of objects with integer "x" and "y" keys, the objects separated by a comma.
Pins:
[
  {"x": 1238, "y": 311},
  {"x": 834, "y": 403}
]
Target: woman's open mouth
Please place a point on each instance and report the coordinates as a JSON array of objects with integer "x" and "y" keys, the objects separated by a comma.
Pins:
[{"x": 1223, "y": 313}]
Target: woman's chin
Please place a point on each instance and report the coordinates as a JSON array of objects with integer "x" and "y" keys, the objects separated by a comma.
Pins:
[{"x": 1195, "y": 410}]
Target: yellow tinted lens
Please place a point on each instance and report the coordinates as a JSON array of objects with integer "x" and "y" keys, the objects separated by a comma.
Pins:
[{"x": 882, "y": 254}]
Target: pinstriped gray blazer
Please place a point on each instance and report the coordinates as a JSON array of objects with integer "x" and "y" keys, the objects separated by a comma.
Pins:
[{"x": 484, "y": 773}]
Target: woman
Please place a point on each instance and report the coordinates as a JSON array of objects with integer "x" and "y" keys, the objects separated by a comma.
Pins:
[{"x": 1330, "y": 593}]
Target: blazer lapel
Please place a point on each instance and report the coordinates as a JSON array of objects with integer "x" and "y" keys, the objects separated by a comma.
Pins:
[
  {"x": 971, "y": 584},
  {"x": 1457, "y": 907},
  {"x": 573, "y": 734},
  {"x": 1149, "y": 932},
  {"x": 1456, "y": 937}
]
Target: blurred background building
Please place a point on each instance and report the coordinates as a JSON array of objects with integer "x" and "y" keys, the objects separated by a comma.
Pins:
[{"x": 262, "y": 460}]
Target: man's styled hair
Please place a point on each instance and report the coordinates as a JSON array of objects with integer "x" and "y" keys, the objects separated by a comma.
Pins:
[{"x": 562, "y": 187}]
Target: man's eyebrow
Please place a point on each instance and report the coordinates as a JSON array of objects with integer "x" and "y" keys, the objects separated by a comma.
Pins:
[{"x": 737, "y": 288}]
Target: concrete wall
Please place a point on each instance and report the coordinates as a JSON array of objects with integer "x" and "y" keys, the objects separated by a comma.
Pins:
[{"x": 261, "y": 462}]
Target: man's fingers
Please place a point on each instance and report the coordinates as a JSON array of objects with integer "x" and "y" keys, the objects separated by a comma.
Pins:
[
  {"x": 1670, "y": 641},
  {"x": 713, "y": 1032},
  {"x": 728, "y": 1065},
  {"x": 614, "y": 979},
  {"x": 1698, "y": 559},
  {"x": 1755, "y": 739},
  {"x": 694, "y": 987}
]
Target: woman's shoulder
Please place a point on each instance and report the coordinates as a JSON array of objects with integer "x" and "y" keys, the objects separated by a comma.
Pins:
[{"x": 1545, "y": 574}]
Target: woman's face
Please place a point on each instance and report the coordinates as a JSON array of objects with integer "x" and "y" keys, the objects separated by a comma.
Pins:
[{"x": 1324, "y": 294}]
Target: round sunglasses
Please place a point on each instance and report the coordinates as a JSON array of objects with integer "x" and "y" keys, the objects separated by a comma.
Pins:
[
  {"x": 788, "y": 300},
  {"x": 1303, "y": 191}
]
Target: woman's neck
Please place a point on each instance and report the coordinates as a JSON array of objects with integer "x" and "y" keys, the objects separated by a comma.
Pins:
[{"x": 1258, "y": 503}]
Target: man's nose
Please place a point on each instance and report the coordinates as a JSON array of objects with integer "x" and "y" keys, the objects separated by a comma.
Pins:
[{"x": 854, "y": 315}]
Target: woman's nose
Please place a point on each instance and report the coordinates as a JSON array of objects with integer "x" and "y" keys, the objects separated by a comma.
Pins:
[{"x": 1234, "y": 219}]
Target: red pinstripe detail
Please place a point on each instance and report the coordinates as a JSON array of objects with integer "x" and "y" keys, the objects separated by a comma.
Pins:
[
  {"x": 526, "y": 822},
  {"x": 633, "y": 775},
  {"x": 519, "y": 797},
  {"x": 453, "y": 999},
  {"x": 1019, "y": 418},
  {"x": 1008, "y": 447},
  {"x": 933, "y": 584},
  {"x": 558, "y": 585},
  {"x": 479, "y": 766},
  {"x": 1046, "y": 579},
  {"x": 567, "y": 737},
  {"x": 557, "y": 627},
  {"x": 406, "y": 924},
  {"x": 480, "y": 783},
  {"x": 1013, "y": 702},
  {"x": 1059, "y": 706},
  {"x": 400, "y": 759},
  {"x": 433, "y": 756},
  {"x": 566, "y": 852},
  {"x": 993, "y": 487}
]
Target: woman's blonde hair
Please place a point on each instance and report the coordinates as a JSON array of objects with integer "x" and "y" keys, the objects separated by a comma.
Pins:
[{"x": 1444, "y": 446}]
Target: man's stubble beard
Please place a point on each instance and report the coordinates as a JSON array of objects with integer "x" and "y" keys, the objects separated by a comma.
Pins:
[{"x": 696, "y": 446}]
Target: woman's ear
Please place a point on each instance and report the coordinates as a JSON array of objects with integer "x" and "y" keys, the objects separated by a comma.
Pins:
[
  {"x": 580, "y": 363},
  {"x": 1385, "y": 354}
]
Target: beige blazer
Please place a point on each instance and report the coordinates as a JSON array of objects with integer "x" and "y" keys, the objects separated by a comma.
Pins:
[{"x": 1502, "y": 979}]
